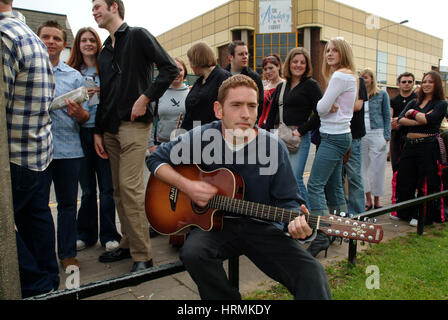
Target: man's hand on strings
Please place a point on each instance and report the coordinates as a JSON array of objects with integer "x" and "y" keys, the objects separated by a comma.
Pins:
[{"x": 299, "y": 228}]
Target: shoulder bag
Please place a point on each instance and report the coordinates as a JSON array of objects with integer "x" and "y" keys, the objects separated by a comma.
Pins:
[{"x": 284, "y": 132}]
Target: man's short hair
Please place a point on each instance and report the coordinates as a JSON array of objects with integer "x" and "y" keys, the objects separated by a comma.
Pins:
[
  {"x": 53, "y": 24},
  {"x": 405, "y": 74},
  {"x": 120, "y": 5},
  {"x": 201, "y": 55},
  {"x": 6, "y": 1},
  {"x": 233, "y": 45},
  {"x": 239, "y": 80}
]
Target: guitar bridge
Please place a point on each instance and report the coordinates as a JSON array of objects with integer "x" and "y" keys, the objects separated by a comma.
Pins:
[{"x": 173, "y": 198}]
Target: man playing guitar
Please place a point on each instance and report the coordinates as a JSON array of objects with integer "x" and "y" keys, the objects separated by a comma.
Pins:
[{"x": 265, "y": 243}]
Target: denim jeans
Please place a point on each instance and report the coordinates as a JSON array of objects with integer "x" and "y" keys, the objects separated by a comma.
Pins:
[
  {"x": 326, "y": 177},
  {"x": 298, "y": 162},
  {"x": 94, "y": 169},
  {"x": 65, "y": 175},
  {"x": 356, "y": 201},
  {"x": 36, "y": 248}
]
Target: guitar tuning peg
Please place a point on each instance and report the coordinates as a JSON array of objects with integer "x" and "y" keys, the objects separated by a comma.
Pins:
[
  {"x": 375, "y": 220},
  {"x": 351, "y": 215},
  {"x": 342, "y": 214}
]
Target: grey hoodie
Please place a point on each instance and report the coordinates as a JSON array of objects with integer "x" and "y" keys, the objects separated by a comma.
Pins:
[{"x": 171, "y": 104}]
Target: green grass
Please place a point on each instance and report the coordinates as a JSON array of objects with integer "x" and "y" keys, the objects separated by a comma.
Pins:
[{"x": 410, "y": 268}]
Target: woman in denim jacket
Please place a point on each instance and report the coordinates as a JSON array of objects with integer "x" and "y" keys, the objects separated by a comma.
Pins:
[{"x": 374, "y": 145}]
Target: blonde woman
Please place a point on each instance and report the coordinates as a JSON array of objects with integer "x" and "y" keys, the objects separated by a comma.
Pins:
[
  {"x": 377, "y": 120},
  {"x": 325, "y": 191}
]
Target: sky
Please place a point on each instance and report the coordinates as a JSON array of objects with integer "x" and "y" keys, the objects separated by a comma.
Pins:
[{"x": 159, "y": 16}]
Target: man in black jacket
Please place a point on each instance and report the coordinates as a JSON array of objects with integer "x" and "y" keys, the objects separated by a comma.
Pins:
[
  {"x": 239, "y": 61},
  {"x": 126, "y": 66}
]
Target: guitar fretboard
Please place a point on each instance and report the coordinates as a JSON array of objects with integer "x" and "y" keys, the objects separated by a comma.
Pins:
[{"x": 258, "y": 210}]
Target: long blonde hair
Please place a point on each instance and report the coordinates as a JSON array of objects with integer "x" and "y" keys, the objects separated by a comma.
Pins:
[
  {"x": 373, "y": 89},
  {"x": 347, "y": 58}
]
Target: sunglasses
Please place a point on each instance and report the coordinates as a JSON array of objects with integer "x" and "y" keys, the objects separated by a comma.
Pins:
[{"x": 407, "y": 81}]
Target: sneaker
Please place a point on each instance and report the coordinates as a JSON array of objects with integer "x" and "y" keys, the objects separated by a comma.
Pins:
[
  {"x": 111, "y": 245},
  {"x": 80, "y": 245},
  {"x": 394, "y": 217},
  {"x": 414, "y": 222}
]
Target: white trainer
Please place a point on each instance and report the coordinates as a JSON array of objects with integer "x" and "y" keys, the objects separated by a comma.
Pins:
[
  {"x": 394, "y": 217},
  {"x": 80, "y": 245},
  {"x": 111, "y": 245},
  {"x": 414, "y": 222}
]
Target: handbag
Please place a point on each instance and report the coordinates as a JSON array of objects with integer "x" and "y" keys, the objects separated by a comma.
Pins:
[{"x": 284, "y": 132}]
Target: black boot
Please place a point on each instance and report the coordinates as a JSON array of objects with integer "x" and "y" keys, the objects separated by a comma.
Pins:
[{"x": 322, "y": 242}]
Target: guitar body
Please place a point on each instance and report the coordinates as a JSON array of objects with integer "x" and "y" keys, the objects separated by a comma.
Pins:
[{"x": 170, "y": 211}]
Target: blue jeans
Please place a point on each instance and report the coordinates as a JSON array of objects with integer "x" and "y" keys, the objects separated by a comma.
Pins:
[
  {"x": 36, "y": 248},
  {"x": 326, "y": 177},
  {"x": 298, "y": 162},
  {"x": 65, "y": 175},
  {"x": 356, "y": 201},
  {"x": 94, "y": 169}
]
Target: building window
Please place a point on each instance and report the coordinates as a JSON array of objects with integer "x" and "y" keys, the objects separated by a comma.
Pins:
[
  {"x": 381, "y": 72},
  {"x": 401, "y": 65},
  {"x": 266, "y": 44}
]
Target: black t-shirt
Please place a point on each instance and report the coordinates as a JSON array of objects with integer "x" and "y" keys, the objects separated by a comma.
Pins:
[
  {"x": 435, "y": 111},
  {"x": 357, "y": 124},
  {"x": 298, "y": 104},
  {"x": 201, "y": 98},
  {"x": 398, "y": 104}
]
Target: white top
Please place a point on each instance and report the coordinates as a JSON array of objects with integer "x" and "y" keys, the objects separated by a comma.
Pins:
[{"x": 341, "y": 91}]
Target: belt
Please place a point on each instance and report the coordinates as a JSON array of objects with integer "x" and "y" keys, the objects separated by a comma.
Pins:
[{"x": 421, "y": 140}]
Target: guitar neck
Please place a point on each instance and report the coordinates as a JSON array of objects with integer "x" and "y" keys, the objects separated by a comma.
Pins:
[{"x": 261, "y": 211}]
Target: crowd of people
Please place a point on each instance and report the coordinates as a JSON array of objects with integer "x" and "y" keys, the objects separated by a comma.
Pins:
[{"x": 102, "y": 143}]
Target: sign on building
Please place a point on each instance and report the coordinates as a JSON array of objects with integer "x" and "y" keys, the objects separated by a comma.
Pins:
[{"x": 275, "y": 16}]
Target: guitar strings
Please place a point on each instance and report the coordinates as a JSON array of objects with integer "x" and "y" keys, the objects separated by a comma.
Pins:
[{"x": 287, "y": 215}]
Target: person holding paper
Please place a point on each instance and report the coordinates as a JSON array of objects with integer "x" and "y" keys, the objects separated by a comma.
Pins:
[{"x": 66, "y": 164}]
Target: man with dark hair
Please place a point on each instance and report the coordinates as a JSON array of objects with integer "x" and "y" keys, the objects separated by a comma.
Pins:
[
  {"x": 66, "y": 165},
  {"x": 28, "y": 85},
  {"x": 238, "y": 55},
  {"x": 405, "y": 82},
  {"x": 53, "y": 24},
  {"x": 123, "y": 119},
  {"x": 278, "y": 255}
]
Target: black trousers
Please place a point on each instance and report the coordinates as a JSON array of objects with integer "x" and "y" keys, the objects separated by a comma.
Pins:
[
  {"x": 396, "y": 147},
  {"x": 277, "y": 255},
  {"x": 417, "y": 170}
]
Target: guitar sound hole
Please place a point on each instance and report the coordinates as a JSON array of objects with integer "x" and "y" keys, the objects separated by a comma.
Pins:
[{"x": 197, "y": 209}]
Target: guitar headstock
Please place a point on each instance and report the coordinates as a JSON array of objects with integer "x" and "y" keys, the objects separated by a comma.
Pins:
[{"x": 337, "y": 226}]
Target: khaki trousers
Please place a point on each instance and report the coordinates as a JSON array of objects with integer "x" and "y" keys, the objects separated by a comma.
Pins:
[{"x": 127, "y": 151}]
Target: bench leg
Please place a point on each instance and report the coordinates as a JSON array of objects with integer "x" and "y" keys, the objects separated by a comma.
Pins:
[{"x": 234, "y": 272}]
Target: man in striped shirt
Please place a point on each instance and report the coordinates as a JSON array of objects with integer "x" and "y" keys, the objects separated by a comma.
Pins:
[{"x": 28, "y": 88}]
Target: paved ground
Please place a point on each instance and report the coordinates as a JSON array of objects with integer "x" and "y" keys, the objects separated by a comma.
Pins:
[{"x": 180, "y": 286}]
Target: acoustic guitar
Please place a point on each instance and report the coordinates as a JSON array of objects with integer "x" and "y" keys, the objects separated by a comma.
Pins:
[{"x": 170, "y": 211}]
